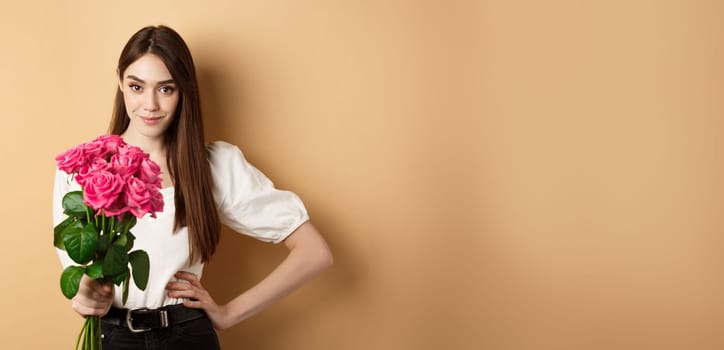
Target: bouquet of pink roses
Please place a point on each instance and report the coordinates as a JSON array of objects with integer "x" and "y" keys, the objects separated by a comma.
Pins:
[{"x": 119, "y": 184}]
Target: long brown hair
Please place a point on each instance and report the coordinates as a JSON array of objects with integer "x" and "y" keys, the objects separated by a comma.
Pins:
[{"x": 186, "y": 154}]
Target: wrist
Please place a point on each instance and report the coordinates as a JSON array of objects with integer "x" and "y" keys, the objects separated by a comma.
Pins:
[{"x": 238, "y": 309}]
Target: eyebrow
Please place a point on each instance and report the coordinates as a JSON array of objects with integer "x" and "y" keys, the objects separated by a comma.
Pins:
[{"x": 169, "y": 81}]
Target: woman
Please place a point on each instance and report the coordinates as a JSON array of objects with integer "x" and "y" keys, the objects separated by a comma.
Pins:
[{"x": 157, "y": 109}]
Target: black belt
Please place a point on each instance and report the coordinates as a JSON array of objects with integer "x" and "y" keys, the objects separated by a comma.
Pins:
[{"x": 143, "y": 319}]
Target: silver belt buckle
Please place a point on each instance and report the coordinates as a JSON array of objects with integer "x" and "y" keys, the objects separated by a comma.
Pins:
[{"x": 129, "y": 320}]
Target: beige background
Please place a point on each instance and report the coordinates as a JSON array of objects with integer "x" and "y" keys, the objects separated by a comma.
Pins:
[{"x": 490, "y": 174}]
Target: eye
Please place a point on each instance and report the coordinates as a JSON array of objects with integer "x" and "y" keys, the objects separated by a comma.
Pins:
[
  {"x": 134, "y": 87},
  {"x": 167, "y": 90}
]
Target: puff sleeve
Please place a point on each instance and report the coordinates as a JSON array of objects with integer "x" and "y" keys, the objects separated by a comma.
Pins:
[{"x": 247, "y": 200}]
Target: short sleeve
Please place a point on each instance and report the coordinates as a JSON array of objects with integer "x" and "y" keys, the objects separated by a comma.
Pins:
[
  {"x": 247, "y": 200},
  {"x": 63, "y": 184}
]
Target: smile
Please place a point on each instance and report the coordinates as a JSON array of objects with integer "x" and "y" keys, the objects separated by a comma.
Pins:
[{"x": 150, "y": 120}]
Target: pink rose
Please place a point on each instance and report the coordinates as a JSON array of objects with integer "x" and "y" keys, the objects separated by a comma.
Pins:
[
  {"x": 87, "y": 170},
  {"x": 127, "y": 161},
  {"x": 70, "y": 160},
  {"x": 150, "y": 172},
  {"x": 156, "y": 200},
  {"x": 117, "y": 210},
  {"x": 102, "y": 189},
  {"x": 93, "y": 150},
  {"x": 138, "y": 198},
  {"x": 111, "y": 142}
]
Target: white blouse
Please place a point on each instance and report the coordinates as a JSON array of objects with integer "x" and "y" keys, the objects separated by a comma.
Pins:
[{"x": 246, "y": 201}]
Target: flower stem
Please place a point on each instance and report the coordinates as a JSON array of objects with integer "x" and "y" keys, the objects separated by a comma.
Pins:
[
  {"x": 77, "y": 342},
  {"x": 91, "y": 334}
]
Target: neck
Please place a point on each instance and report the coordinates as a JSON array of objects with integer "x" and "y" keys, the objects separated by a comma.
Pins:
[{"x": 154, "y": 146}]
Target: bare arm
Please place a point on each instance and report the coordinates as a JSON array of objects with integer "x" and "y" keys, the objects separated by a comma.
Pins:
[{"x": 308, "y": 255}]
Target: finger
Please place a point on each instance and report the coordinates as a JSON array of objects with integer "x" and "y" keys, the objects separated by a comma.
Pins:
[
  {"x": 99, "y": 294},
  {"x": 92, "y": 302},
  {"x": 188, "y": 276},
  {"x": 83, "y": 310},
  {"x": 191, "y": 292},
  {"x": 194, "y": 304},
  {"x": 194, "y": 295},
  {"x": 98, "y": 288},
  {"x": 90, "y": 309},
  {"x": 179, "y": 286},
  {"x": 103, "y": 291},
  {"x": 96, "y": 312},
  {"x": 92, "y": 294}
]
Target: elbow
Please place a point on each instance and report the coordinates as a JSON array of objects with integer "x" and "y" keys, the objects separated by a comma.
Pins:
[
  {"x": 315, "y": 256},
  {"x": 308, "y": 243},
  {"x": 324, "y": 259},
  {"x": 330, "y": 258}
]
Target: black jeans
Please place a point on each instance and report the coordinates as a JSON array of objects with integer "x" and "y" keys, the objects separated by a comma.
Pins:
[{"x": 197, "y": 334}]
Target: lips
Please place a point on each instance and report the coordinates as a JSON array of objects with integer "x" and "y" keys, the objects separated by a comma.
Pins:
[
  {"x": 150, "y": 120},
  {"x": 150, "y": 117}
]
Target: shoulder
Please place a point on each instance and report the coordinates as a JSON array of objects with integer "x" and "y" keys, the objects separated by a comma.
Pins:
[
  {"x": 226, "y": 161},
  {"x": 221, "y": 149},
  {"x": 221, "y": 153}
]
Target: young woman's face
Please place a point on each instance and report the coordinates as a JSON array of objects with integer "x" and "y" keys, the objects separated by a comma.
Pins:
[{"x": 150, "y": 95}]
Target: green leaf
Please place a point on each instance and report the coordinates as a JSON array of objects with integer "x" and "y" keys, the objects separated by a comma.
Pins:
[
  {"x": 73, "y": 204},
  {"x": 126, "y": 282},
  {"x": 130, "y": 238},
  {"x": 76, "y": 227},
  {"x": 128, "y": 222},
  {"x": 139, "y": 266},
  {"x": 125, "y": 239},
  {"x": 117, "y": 280},
  {"x": 115, "y": 262},
  {"x": 121, "y": 240},
  {"x": 104, "y": 241},
  {"x": 70, "y": 280},
  {"x": 58, "y": 232},
  {"x": 95, "y": 270},
  {"x": 102, "y": 244},
  {"x": 80, "y": 244}
]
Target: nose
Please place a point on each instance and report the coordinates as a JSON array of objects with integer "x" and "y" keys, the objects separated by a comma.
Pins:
[{"x": 150, "y": 101}]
